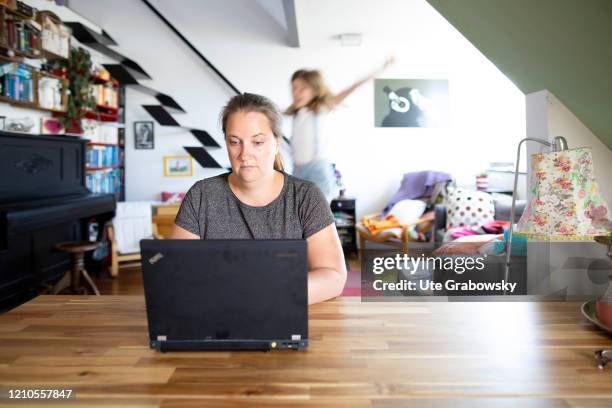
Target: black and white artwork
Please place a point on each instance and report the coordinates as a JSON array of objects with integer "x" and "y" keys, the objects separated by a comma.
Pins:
[
  {"x": 144, "y": 137},
  {"x": 417, "y": 103}
]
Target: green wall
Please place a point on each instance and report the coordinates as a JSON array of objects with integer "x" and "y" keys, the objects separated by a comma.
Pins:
[{"x": 564, "y": 46}]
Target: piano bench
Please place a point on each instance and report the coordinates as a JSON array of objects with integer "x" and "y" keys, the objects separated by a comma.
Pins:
[{"x": 71, "y": 281}]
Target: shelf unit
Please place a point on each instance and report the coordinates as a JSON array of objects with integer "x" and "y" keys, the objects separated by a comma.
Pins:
[
  {"x": 48, "y": 21},
  {"x": 19, "y": 33},
  {"x": 121, "y": 142},
  {"x": 343, "y": 210},
  {"x": 20, "y": 38},
  {"x": 102, "y": 116},
  {"x": 44, "y": 35},
  {"x": 34, "y": 103},
  {"x": 31, "y": 37},
  {"x": 110, "y": 176},
  {"x": 88, "y": 168}
]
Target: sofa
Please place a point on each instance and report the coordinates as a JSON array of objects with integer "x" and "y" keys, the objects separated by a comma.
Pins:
[
  {"x": 503, "y": 207},
  {"x": 494, "y": 270}
]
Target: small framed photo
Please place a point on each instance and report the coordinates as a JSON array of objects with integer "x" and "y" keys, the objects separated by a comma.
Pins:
[
  {"x": 144, "y": 137},
  {"x": 51, "y": 126},
  {"x": 178, "y": 166}
]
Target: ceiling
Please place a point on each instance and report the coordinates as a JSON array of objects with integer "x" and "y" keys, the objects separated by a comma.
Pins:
[
  {"x": 559, "y": 45},
  {"x": 563, "y": 46},
  {"x": 380, "y": 22}
]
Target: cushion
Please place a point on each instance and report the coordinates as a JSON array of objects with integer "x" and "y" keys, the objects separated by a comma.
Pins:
[
  {"x": 407, "y": 211},
  {"x": 171, "y": 198},
  {"x": 468, "y": 208},
  {"x": 468, "y": 245},
  {"x": 132, "y": 223},
  {"x": 519, "y": 244}
]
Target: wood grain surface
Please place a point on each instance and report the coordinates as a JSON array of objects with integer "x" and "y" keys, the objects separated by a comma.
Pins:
[{"x": 361, "y": 354}]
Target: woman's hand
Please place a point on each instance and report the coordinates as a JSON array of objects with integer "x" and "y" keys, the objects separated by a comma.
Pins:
[
  {"x": 388, "y": 62},
  {"x": 342, "y": 95},
  {"x": 326, "y": 267}
]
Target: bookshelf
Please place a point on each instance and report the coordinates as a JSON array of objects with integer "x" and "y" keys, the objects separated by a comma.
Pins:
[
  {"x": 25, "y": 80},
  {"x": 55, "y": 36},
  {"x": 104, "y": 159},
  {"x": 31, "y": 44},
  {"x": 20, "y": 35},
  {"x": 343, "y": 209}
]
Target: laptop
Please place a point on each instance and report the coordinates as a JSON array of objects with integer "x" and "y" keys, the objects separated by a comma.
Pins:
[{"x": 226, "y": 294}]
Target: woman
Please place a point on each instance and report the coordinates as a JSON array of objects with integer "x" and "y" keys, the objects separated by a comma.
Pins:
[
  {"x": 257, "y": 200},
  {"x": 312, "y": 101}
]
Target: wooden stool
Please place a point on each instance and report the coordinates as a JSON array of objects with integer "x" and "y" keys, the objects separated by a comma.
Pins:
[{"x": 71, "y": 279}]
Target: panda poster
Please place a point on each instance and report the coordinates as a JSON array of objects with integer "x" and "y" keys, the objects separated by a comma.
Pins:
[{"x": 420, "y": 103}]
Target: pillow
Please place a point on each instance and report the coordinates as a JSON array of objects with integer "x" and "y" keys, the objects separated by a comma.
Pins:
[
  {"x": 468, "y": 208},
  {"x": 468, "y": 245},
  {"x": 519, "y": 244},
  {"x": 171, "y": 198},
  {"x": 408, "y": 210}
]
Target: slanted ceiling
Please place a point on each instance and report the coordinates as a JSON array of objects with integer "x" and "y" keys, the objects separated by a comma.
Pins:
[{"x": 564, "y": 46}]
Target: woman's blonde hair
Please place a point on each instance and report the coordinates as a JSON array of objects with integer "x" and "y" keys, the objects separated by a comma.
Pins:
[
  {"x": 248, "y": 102},
  {"x": 322, "y": 95}
]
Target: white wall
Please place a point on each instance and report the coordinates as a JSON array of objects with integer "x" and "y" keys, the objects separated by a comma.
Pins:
[
  {"x": 562, "y": 266},
  {"x": 248, "y": 45}
]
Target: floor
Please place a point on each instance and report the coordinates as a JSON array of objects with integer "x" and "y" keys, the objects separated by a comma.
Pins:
[{"x": 129, "y": 281}]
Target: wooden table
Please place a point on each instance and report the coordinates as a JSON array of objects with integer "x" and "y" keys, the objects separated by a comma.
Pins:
[{"x": 360, "y": 355}]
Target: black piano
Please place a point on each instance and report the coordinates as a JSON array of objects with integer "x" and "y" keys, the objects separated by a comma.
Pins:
[{"x": 43, "y": 201}]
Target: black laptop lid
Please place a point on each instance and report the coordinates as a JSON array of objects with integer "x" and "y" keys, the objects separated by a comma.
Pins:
[{"x": 226, "y": 289}]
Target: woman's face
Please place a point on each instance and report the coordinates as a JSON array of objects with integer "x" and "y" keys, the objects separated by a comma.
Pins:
[
  {"x": 251, "y": 145},
  {"x": 302, "y": 93}
]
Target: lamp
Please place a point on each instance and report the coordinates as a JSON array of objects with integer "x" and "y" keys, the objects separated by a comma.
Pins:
[
  {"x": 565, "y": 204},
  {"x": 558, "y": 144}
]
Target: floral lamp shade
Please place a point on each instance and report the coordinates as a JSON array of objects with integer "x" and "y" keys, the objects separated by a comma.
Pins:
[{"x": 566, "y": 203}]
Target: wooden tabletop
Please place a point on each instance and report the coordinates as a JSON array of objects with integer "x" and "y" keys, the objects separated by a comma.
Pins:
[{"x": 361, "y": 355}]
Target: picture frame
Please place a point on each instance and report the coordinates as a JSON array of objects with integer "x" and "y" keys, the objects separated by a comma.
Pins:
[
  {"x": 51, "y": 126},
  {"x": 411, "y": 103},
  {"x": 178, "y": 166},
  {"x": 144, "y": 135}
]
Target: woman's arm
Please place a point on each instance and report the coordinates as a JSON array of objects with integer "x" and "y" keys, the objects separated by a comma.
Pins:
[
  {"x": 342, "y": 95},
  {"x": 326, "y": 268},
  {"x": 182, "y": 233}
]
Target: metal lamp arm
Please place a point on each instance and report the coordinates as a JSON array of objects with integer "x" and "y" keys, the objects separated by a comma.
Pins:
[{"x": 513, "y": 208}]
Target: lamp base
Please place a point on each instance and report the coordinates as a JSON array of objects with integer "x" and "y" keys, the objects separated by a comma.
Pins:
[{"x": 603, "y": 357}]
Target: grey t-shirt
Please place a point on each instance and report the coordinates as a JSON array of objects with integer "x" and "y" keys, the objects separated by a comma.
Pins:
[{"x": 212, "y": 211}]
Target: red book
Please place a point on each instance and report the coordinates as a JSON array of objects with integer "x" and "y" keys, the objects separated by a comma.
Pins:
[{"x": 10, "y": 29}]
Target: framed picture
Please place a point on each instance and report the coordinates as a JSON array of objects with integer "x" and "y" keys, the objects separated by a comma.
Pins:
[
  {"x": 144, "y": 137},
  {"x": 178, "y": 166},
  {"x": 411, "y": 103},
  {"x": 51, "y": 126}
]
